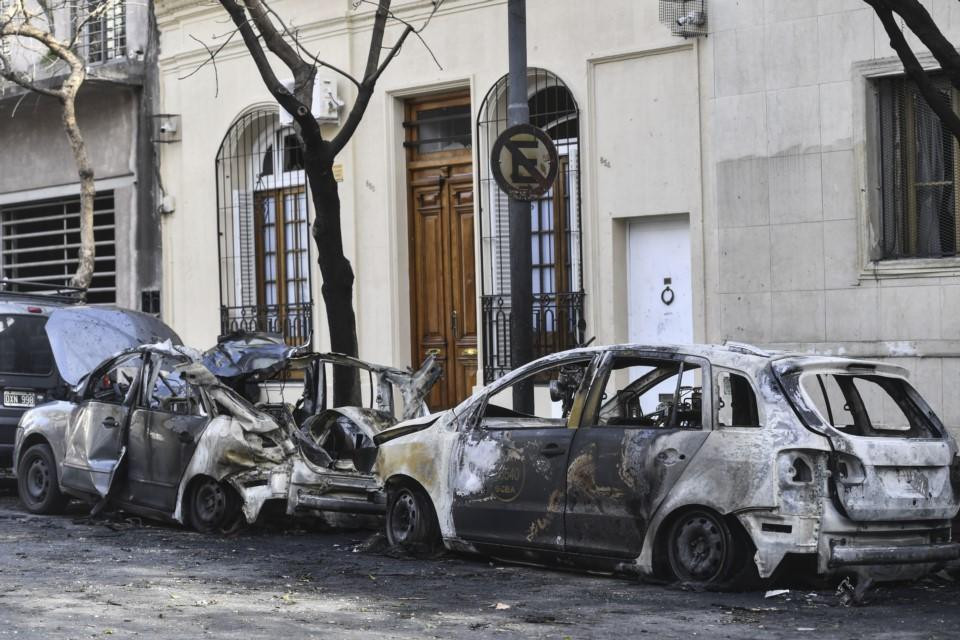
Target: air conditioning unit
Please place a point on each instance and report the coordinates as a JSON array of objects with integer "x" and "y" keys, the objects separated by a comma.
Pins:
[
  {"x": 686, "y": 18},
  {"x": 326, "y": 103}
]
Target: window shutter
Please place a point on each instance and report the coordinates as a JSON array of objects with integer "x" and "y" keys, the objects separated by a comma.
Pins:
[{"x": 245, "y": 249}]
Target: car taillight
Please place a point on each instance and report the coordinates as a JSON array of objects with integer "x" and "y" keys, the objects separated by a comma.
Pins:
[{"x": 34, "y": 310}]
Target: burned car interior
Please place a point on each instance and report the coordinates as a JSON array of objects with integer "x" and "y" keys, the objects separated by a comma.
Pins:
[
  {"x": 658, "y": 395},
  {"x": 866, "y": 405}
]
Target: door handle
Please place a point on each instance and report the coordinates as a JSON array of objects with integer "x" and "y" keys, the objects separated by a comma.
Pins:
[
  {"x": 453, "y": 323},
  {"x": 552, "y": 450},
  {"x": 433, "y": 352},
  {"x": 185, "y": 437},
  {"x": 110, "y": 423}
]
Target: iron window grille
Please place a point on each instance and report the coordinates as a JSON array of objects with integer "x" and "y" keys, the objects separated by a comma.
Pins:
[
  {"x": 263, "y": 229},
  {"x": 557, "y": 271},
  {"x": 103, "y": 37},
  {"x": 40, "y": 241},
  {"x": 918, "y": 173}
]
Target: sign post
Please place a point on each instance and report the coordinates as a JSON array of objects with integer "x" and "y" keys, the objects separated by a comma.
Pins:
[{"x": 521, "y": 268}]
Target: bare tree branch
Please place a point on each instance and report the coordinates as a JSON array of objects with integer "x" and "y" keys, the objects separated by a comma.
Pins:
[
  {"x": 938, "y": 103},
  {"x": 300, "y": 111},
  {"x": 919, "y": 20}
]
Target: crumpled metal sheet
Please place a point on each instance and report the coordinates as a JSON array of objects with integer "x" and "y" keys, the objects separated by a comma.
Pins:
[
  {"x": 83, "y": 337},
  {"x": 241, "y": 356}
]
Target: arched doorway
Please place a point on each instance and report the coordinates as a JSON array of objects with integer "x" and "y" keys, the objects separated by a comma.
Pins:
[
  {"x": 557, "y": 272},
  {"x": 263, "y": 228}
]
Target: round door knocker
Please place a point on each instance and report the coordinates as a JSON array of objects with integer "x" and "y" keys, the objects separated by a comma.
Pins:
[{"x": 667, "y": 296}]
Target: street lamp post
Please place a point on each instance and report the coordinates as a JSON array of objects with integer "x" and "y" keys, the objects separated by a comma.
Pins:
[{"x": 521, "y": 282}]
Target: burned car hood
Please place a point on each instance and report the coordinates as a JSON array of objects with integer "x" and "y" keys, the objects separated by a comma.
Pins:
[
  {"x": 240, "y": 357},
  {"x": 83, "y": 337}
]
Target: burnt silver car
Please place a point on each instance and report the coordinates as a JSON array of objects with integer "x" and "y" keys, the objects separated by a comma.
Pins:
[
  {"x": 153, "y": 431},
  {"x": 698, "y": 464}
]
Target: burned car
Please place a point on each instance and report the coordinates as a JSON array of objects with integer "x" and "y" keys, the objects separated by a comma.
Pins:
[
  {"x": 699, "y": 464},
  {"x": 153, "y": 431},
  {"x": 48, "y": 340}
]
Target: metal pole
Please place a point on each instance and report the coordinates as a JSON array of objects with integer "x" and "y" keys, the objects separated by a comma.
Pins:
[{"x": 521, "y": 283}]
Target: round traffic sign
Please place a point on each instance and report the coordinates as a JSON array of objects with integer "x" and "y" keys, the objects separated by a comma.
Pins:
[{"x": 524, "y": 162}]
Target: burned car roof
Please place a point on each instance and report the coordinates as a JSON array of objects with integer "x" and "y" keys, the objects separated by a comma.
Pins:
[{"x": 82, "y": 337}]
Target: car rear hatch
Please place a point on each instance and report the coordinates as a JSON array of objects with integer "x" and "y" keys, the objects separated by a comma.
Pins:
[{"x": 892, "y": 456}]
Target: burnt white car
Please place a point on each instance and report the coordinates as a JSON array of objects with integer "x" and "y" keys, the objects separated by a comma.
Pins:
[
  {"x": 700, "y": 464},
  {"x": 154, "y": 431}
]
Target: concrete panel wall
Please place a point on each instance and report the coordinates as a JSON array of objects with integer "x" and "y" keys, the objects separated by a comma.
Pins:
[
  {"x": 35, "y": 147},
  {"x": 789, "y": 138}
]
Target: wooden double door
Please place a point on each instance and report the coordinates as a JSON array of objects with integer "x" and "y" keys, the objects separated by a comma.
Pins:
[{"x": 443, "y": 262}]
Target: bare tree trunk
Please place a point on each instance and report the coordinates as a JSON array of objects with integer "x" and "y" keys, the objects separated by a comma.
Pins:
[
  {"x": 86, "y": 256},
  {"x": 335, "y": 269}
]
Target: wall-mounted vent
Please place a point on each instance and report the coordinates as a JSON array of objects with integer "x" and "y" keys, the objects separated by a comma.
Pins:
[{"x": 687, "y": 18}]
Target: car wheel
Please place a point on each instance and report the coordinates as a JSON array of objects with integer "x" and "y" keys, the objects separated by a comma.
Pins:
[
  {"x": 213, "y": 506},
  {"x": 701, "y": 548},
  {"x": 37, "y": 482},
  {"x": 412, "y": 522}
]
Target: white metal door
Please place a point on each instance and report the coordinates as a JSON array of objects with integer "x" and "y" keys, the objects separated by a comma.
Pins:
[{"x": 660, "y": 294}]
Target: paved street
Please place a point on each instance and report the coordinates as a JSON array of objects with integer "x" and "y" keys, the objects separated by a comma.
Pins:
[{"x": 63, "y": 579}]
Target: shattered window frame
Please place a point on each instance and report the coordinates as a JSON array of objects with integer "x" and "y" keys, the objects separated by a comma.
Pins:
[
  {"x": 152, "y": 374},
  {"x": 608, "y": 372},
  {"x": 572, "y": 420},
  {"x": 98, "y": 374},
  {"x": 924, "y": 423},
  {"x": 718, "y": 389}
]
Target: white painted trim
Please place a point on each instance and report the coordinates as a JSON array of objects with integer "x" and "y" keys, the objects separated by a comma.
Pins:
[{"x": 65, "y": 190}]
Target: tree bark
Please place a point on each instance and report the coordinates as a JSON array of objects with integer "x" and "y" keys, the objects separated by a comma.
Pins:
[
  {"x": 940, "y": 105},
  {"x": 335, "y": 269},
  {"x": 86, "y": 256}
]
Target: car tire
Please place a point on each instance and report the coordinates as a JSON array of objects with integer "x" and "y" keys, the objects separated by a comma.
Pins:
[
  {"x": 37, "y": 482},
  {"x": 212, "y": 506},
  {"x": 702, "y": 549},
  {"x": 412, "y": 522}
]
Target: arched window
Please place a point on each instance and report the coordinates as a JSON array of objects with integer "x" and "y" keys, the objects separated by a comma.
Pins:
[
  {"x": 262, "y": 218},
  {"x": 557, "y": 272}
]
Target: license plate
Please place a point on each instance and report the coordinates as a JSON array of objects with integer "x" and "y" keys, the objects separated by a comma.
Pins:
[{"x": 24, "y": 399}]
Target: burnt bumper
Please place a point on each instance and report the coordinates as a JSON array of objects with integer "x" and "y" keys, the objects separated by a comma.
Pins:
[{"x": 847, "y": 556}]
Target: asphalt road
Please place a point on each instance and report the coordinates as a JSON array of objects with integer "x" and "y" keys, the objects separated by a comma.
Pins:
[{"x": 62, "y": 577}]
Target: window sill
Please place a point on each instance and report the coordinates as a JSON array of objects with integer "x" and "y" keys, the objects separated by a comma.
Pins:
[{"x": 911, "y": 268}]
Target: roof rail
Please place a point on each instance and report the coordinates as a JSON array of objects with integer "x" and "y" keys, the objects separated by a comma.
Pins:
[
  {"x": 749, "y": 349},
  {"x": 38, "y": 290}
]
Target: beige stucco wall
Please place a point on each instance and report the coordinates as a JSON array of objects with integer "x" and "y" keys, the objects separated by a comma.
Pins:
[
  {"x": 573, "y": 39},
  {"x": 758, "y": 132}
]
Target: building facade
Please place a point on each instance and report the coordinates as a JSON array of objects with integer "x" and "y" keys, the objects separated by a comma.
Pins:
[
  {"x": 39, "y": 186},
  {"x": 771, "y": 181}
]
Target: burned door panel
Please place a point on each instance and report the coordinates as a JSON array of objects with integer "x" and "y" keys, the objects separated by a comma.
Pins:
[
  {"x": 96, "y": 439},
  {"x": 161, "y": 445},
  {"x": 511, "y": 486},
  {"x": 94, "y": 447},
  {"x": 647, "y": 424},
  {"x": 510, "y": 480},
  {"x": 616, "y": 480}
]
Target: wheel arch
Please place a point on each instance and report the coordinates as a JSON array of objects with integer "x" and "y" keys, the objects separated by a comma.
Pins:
[
  {"x": 652, "y": 557},
  {"x": 31, "y": 440}
]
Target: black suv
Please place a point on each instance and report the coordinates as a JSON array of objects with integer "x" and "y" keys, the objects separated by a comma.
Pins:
[{"x": 28, "y": 371}]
